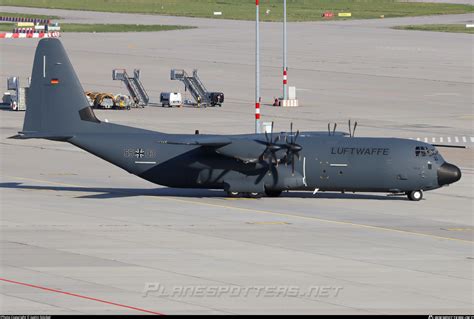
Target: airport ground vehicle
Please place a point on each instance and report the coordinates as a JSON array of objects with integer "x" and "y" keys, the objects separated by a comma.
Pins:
[
  {"x": 216, "y": 98},
  {"x": 195, "y": 86},
  {"x": 171, "y": 99}
]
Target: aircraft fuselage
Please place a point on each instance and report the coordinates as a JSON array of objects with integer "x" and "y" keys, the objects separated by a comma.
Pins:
[{"x": 327, "y": 163}]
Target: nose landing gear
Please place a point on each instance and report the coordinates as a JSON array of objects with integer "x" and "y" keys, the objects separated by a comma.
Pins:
[{"x": 415, "y": 195}]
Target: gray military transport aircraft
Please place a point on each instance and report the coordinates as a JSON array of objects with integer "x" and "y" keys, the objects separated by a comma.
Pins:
[{"x": 243, "y": 165}]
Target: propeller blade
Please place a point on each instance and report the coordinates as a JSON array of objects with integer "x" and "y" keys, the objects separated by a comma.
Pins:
[
  {"x": 294, "y": 147},
  {"x": 291, "y": 132},
  {"x": 274, "y": 148},
  {"x": 271, "y": 133},
  {"x": 292, "y": 163},
  {"x": 275, "y": 159}
]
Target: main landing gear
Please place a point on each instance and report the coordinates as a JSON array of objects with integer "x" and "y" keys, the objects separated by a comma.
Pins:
[
  {"x": 415, "y": 195},
  {"x": 247, "y": 195},
  {"x": 268, "y": 193}
]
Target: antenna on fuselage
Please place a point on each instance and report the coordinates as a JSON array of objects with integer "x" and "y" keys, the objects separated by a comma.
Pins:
[
  {"x": 354, "y": 131},
  {"x": 350, "y": 131},
  {"x": 334, "y": 129},
  {"x": 329, "y": 129}
]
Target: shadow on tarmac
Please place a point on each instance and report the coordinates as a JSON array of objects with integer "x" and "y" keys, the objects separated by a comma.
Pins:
[{"x": 108, "y": 193}]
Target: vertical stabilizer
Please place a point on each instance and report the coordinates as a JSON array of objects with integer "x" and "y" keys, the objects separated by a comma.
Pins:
[{"x": 57, "y": 105}]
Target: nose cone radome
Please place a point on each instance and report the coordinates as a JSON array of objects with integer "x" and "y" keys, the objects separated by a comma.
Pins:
[{"x": 448, "y": 174}]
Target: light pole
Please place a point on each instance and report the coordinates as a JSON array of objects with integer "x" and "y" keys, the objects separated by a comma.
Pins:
[
  {"x": 285, "y": 68},
  {"x": 257, "y": 69}
]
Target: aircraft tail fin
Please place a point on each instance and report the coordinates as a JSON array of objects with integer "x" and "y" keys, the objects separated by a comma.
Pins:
[{"x": 57, "y": 106}]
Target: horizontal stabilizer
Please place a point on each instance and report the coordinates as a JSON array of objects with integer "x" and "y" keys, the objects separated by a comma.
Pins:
[{"x": 28, "y": 135}]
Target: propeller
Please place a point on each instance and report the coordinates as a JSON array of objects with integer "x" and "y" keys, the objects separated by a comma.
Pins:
[
  {"x": 333, "y": 129},
  {"x": 352, "y": 131},
  {"x": 272, "y": 146},
  {"x": 292, "y": 149},
  {"x": 269, "y": 155}
]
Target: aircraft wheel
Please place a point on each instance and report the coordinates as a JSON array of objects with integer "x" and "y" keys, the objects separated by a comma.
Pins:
[
  {"x": 233, "y": 194},
  {"x": 415, "y": 195},
  {"x": 271, "y": 193},
  {"x": 254, "y": 195}
]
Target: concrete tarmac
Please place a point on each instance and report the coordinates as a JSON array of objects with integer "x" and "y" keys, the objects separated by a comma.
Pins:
[{"x": 79, "y": 236}]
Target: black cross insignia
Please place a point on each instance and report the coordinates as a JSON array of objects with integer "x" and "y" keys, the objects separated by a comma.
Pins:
[{"x": 139, "y": 153}]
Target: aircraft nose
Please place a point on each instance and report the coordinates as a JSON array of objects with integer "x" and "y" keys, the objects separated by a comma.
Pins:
[{"x": 448, "y": 174}]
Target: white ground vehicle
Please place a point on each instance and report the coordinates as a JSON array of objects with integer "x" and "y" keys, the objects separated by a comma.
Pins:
[{"x": 171, "y": 99}]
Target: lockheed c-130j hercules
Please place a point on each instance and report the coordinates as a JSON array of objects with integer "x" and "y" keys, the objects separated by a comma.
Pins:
[{"x": 242, "y": 165}]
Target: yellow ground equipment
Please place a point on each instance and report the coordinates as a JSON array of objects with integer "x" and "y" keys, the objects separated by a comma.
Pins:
[
  {"x": 91, "y": 97},
  {"x": 122, "y": 101},
  {"x": 104, "y": 101}
]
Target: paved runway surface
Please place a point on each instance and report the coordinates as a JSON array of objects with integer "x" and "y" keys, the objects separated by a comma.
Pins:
[{"x": 81, "y": 236}]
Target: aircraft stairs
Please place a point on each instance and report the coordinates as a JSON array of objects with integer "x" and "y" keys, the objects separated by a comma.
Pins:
[
  {"x": 193, "y": 84},
  {"x": 134, "y": 85}
]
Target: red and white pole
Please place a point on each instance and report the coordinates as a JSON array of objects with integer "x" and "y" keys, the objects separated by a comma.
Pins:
[
  {"x": 257, "y": 68},
  {"x": 285, "y": 67}
]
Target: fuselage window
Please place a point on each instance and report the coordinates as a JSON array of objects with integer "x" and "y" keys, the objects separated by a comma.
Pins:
[
  {"x": 425, "y": 151},
  {"x": 421, "y": 151}
]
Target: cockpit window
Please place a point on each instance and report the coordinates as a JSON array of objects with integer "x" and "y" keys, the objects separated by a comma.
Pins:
[{"x": 425, "y": 151}]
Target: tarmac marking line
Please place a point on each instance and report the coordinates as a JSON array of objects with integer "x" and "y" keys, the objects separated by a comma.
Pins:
[
  {"x": 79, "y": 296},
  {"x": 314, "y": 219},
  {"x": 460, "y": 229},
  {"x": 277, "y": 214}
]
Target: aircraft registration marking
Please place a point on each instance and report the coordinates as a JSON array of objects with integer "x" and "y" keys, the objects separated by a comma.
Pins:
[{"x": 138, "y": 153}]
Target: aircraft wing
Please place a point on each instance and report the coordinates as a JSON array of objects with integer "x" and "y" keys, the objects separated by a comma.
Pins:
[
  {"x": 201, "y": 140},
  {"x": 246, "y": 150}
]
